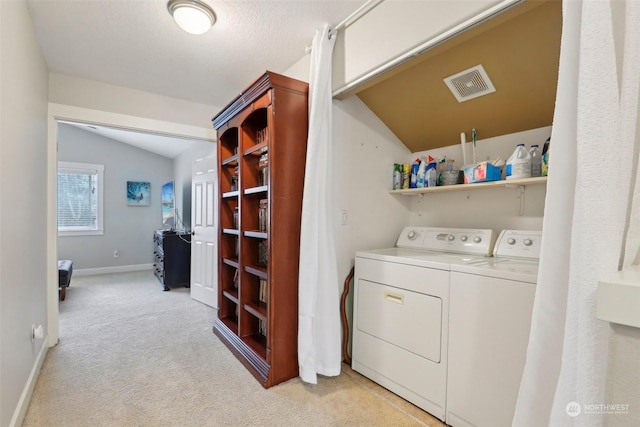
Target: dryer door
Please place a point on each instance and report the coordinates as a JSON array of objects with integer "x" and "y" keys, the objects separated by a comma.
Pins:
[{"x": 407, "y": 319}]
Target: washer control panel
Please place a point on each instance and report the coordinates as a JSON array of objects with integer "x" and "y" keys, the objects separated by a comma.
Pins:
[
  {"x": 459, "y": 240},
  {"x": 518, "y": 244}
]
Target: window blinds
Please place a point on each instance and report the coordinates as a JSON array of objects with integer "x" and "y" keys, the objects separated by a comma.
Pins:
[{"x": 78, "y": 198}]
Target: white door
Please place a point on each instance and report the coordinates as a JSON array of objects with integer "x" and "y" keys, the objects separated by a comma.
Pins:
[{"x": 204, "y": 253}]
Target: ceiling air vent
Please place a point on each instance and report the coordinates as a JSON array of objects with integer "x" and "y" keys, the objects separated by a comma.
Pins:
[{"x": 469, "y": 84}]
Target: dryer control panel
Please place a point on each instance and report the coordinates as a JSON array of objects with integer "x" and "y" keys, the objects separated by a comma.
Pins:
[{"x": 457, "y": 240}]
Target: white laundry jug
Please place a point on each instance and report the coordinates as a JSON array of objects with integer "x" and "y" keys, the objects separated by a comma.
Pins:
[{"x": 519, "y": 164}]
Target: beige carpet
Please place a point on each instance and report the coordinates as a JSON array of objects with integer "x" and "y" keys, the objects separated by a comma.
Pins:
[{"x": 132, "y": 355}]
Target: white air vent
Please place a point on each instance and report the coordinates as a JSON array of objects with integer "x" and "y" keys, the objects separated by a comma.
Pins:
[{"x": 469, "y": 84}]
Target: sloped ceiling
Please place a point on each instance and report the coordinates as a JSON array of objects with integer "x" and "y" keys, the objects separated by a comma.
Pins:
[
  {"x": 163, "y": 145},
  {"x": 520, "y": 51}
]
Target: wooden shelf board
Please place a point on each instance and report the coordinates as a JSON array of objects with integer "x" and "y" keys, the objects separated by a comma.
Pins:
[
  {"x": 231, "y": 231},
  {"x": 261, "y": 272},
  {"x": 230, "y": 194},
  {"x": 232, "y": 262},
  {"x": 258, "y": 343},
  {"x": 257, "y": 309},
  {"x": 256, "y": 234},
  {"x": 231, "y": 294},
  {"x": 231, "y": 323},
  {"x": 257, "y": 190},
  {"x": 256, "y": 150},
  {"x": 476, "y": 186},
  {"x": 230, "y": 160}
]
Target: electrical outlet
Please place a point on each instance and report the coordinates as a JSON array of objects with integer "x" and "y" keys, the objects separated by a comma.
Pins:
[
  {"x": 345, "y": 217},
  {"x": 116, "y": 254},
  {"x": 37, "y": 332}
]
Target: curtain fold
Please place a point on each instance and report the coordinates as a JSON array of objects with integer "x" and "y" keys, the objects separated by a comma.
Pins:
[
  {"x": 592, "y": 165},
  {"x": 319, "y": 298},
  {"x": 629, "y": 105}
]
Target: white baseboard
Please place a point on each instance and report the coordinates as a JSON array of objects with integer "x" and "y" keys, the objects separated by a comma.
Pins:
[
  {"x": 27, "y": 392},
  {"x": 108, "y": 270}
]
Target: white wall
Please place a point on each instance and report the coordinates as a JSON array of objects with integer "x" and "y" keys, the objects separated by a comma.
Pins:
[
  {"x": 623, "y": 375},
  {"x": 365, "y": 153},
  {"x": 365, "y": 150},
  {"x": 496, "y": 208},
  {"x": 182, "y": 172},
  {"x": 69, "y": 90},
  {"x": 127, "y": 229},
  {"x": 23, "y": 218}
]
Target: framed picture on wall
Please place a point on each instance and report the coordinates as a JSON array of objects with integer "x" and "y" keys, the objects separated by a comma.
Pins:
[
  {"x": 138, "y": 193},
  {"x": 168, "y": 205}
]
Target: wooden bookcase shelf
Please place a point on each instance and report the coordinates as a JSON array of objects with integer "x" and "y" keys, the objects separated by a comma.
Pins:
[
  {"x": 259, "y": 232},
  {"x": 231, "y": 294},
  {"x": 230, "y": 194},
  {"x": 230, "y": 161},
  {"x": 230, "y": 262},
  {"x": 257, "y": 190},
  {"x": 259, "y": 310},
  {"x": 256, "y": 271}
]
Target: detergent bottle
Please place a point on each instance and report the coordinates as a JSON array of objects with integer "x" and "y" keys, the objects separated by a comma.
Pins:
[
  {"x": 519, "y": 164},
  {"x": 536, "y": 161}
]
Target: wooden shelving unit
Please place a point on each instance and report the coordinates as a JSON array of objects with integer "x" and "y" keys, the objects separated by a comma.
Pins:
[{"x": 258, "y": 265}]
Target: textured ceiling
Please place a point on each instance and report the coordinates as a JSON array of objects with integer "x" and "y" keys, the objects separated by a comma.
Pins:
[{"x": 136, "y": 44}]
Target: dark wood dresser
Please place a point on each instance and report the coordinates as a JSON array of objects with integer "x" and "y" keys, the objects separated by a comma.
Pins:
[{"x": 172, "y": 258}]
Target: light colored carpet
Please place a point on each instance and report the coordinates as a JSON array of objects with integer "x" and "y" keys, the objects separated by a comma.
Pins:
[{"x": 132, "y": 355}]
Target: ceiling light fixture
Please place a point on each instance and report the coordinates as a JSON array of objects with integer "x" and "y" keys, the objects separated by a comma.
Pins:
[{"x": 193, "y": 16}]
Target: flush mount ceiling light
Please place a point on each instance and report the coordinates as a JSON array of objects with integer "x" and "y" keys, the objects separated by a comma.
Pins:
[{"x": 193, "y": 16}]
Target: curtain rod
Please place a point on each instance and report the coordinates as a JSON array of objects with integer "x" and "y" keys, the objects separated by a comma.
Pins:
[{"x": 357, "y": 14}]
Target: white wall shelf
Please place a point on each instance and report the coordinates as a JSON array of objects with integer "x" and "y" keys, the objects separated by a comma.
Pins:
[
  {"x": 619, "y": 297},
  {"x": 477, "y": 186}
]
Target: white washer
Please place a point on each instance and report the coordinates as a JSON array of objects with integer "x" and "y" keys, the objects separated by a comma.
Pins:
[
  {"x": 489, "y": 320},
  {"x": 401, "y": 310}
]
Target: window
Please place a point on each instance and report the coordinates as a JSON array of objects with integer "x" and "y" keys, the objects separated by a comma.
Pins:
[{"x": 80, "y": 199}]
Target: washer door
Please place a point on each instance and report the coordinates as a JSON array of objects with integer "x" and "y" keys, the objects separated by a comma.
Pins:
[
  {"x": 489, "y": 323},
  {"x": 407, "y": 319}
]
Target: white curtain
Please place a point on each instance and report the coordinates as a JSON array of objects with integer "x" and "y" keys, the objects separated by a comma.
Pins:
[
  {"x": 319, "y": 298},
  {"x": 593, "y": 161}
]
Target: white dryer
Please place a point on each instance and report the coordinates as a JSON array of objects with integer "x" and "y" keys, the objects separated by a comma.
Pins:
[
  {"x": 490, "y": 311},
  {"x": 401, "y": 310}
]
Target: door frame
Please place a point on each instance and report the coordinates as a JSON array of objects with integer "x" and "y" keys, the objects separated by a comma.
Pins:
[{"x": 58, "y": 112}]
